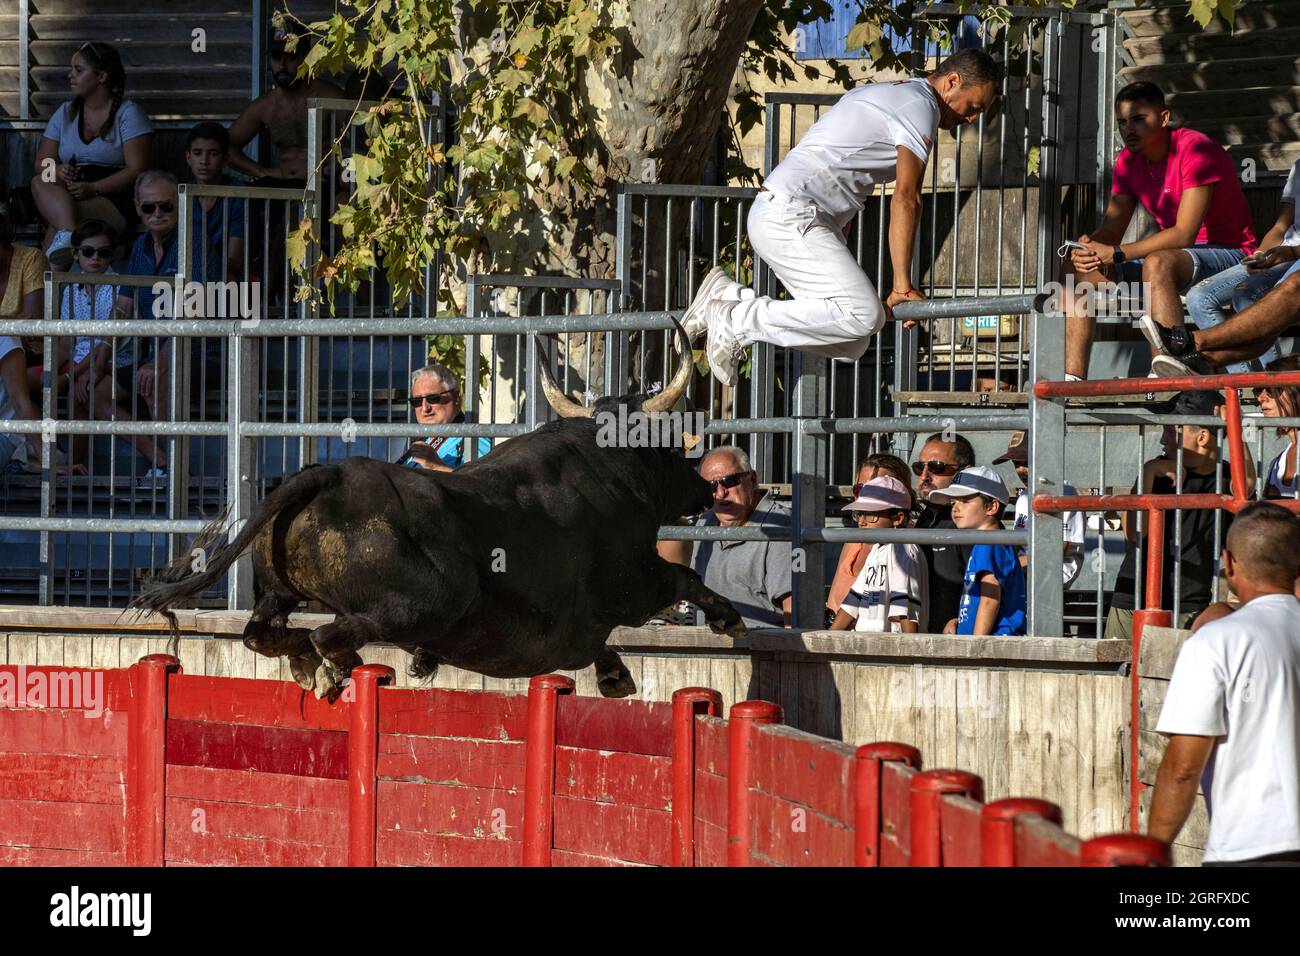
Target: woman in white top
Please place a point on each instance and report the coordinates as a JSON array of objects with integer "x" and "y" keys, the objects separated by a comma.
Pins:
[
  {"x": 1282, "y": 402},
  {"x": 93, "y": 148}
]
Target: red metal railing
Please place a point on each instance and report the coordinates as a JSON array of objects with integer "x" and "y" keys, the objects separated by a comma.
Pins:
[
  {"x": 1155, "y": 506},
  {"x": 232, "y": 771}
]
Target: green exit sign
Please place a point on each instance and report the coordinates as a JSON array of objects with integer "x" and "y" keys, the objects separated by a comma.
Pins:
[{"x": 980, "y": 322}]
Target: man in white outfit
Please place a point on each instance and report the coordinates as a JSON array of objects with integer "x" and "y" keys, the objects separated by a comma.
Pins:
[{"x": 878, "y": 133}]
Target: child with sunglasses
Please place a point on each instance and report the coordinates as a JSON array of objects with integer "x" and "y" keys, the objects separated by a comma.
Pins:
[
  {"x": 993, "y": 592},
  {"x": 93, "y": 244},
  {"x": 890, "y": 593}
]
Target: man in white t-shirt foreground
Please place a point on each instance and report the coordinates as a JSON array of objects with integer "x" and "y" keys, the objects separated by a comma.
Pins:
[
  {"x": 1071, "y": 521},
  {"x": 877, "y": 133},
  {"x": 1232, "y": 712}
]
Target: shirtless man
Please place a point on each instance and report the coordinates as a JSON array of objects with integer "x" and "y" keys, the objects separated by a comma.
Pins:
[{"x": 282, "y": 112}]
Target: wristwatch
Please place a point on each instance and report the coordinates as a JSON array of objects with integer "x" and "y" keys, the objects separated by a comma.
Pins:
[{"x": 1119, "y": 256}]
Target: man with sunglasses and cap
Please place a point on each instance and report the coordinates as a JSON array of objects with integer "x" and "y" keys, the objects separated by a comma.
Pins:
[
  {"x": 755, "y": 576},
  {"x": 937, "y": 464},
  {"x": 435, "y": 399},
  {"x": 1072, "y": 521}
]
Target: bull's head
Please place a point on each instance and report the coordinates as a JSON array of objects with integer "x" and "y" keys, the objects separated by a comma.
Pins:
[{"x": 664, "y": 401}]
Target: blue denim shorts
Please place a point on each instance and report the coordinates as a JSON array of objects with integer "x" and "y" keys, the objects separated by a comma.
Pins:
[{"x": 1206, "y": 261}]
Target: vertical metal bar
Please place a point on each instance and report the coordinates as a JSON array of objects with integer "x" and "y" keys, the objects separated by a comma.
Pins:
[
  {"x": 1098, "y": 626},
  {"x": 1046, "y": 596},
  {"x": 24, "y": 60},
  {"x": 241, "y": 462},
  {"x": 809, "y": 493}
]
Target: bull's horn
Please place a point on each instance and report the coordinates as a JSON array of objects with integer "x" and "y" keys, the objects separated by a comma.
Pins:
[
  {"x": 665, "y": 400},
  {"x": 564, "y": 406}
]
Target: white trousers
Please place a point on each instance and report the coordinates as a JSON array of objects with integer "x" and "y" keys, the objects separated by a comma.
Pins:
[{"x": 833, "y": 310}]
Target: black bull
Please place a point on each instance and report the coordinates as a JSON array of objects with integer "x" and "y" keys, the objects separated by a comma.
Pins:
[{"x": 515, "y": 565}]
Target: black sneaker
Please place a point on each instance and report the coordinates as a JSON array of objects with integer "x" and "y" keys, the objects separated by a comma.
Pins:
[
  {"x": 1176, "y": 341},
  {"x": 1192, "y": 363}
]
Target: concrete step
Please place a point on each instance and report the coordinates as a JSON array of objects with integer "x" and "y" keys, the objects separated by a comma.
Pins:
[
  {"x": 1258, "y": 101},
  {"x": 1274, "y": 156},
  {"x": 159, "y": 104},
  {"x": 162, "y": 79},
  {"x": 1183, "y": 47},
  {"x": 1173, "y": 18},
  {"x": 136, "y": 54},
  {"x": 1233, "y": 74},
  {"x": 1243, "y": 130}
]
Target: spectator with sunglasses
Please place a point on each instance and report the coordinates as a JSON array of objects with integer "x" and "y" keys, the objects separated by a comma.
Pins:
[
  {"x": 755, "y": 576},
  {"x": 939, "y": 461},
  {"x": 853, "y": 556},
  {"x": 889, "y": 594},
  {"x": 435, "y": 398},
  {"x": 1282, "y": 401}
]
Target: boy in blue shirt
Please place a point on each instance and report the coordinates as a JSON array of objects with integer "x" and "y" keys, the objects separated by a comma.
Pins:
[{"x": 993, "y": 592}]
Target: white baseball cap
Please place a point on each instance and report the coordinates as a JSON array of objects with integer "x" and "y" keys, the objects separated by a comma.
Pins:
[
  {"x": 882, "y": 493},
  {"x": 975, "y": 480}
]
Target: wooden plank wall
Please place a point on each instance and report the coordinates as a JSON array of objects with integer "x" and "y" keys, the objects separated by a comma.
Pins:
[
  {"x": 1160, "y": 646},
  {"x": 1035, "y": 717}
]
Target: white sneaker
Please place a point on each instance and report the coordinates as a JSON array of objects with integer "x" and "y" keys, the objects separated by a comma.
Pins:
[
  {"x": 59, "y": 253},
  {"x": 153, "y": 478},
  {"x": 724, "y": 351},
  {"x": 713, "y": 287}
]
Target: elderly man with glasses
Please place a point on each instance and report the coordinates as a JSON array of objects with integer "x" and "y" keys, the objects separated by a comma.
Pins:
[
  {"x": 755, "y": 576},
  {"x": 435, "y": 398},
  {"x": 937, "y": 464}
]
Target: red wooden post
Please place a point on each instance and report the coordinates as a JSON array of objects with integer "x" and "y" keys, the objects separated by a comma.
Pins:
[
  {"x": 687, "y": 703},
  {"x": 539, "y": 767},
  {"x": 147, "y": 760},
  {"x": 1124, "y": 849},
  {"x": 740, "y": 762},
  {"x": 926, "y": 793},
  {"x": 998, "y": 827},
  {"x": 866, "y": 795},
  {"x": 363, "y": 762}
]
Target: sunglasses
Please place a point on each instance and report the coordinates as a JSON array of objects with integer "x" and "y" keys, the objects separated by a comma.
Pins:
[
  {"x": 727, "y": 481},
  {"x": 442, "y": 398},
  {"x": 940, "y": 469},
  {"x": 148, "y": 207},
  {"x": 95, "y": 252}
]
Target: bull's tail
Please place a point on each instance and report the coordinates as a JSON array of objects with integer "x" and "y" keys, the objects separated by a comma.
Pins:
[{"x": 187, "y": 577}]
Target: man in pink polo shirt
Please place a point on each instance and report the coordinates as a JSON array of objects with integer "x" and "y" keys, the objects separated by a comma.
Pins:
[{"x": 1190, "y": 186}]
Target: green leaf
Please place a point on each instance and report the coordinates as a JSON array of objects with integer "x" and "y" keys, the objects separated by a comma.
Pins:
[
  {"x": 1032, "y": 161},
  {"x": 861, "y": 35}
]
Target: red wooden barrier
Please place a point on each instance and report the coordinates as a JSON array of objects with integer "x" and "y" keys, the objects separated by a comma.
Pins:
[
  {"x": 926, "y": 790},
  {"x": 740, "y": 768},
  {"x": 688, "y": 703},
  {"x": 866, "y": 790},
  {"x": 998, "y": 827},
  {"x": 539, "y": 768},
  {"x": 227, "y": 771}
]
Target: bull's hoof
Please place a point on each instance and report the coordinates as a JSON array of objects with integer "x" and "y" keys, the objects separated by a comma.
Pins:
[
  {"x": 303, "y": 670},
  {"x": 733, "y": 629},
  {"x": 616, "y": 685},
  {"x": 327, "y": 683}
]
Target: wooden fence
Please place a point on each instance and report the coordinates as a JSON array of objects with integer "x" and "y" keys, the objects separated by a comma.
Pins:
[{"x": 1045, "y": 717}]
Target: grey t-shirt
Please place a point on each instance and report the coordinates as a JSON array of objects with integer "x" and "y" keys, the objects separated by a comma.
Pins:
[
  {"x": 129, "y": 122},
  {"x": 753, "y": 575}
]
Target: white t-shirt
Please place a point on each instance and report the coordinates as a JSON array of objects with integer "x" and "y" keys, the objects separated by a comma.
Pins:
[
  {"x": 1072, "y": 532},
  {"x": 855, "y": 144},
  {"x": 892, "y": 583},
  {"x": 1291, "y": 194},
  {"x": 129, "y": 122},
  {"x": 1275, "y": 469},
  {"x": 1238, "y": 679}
]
